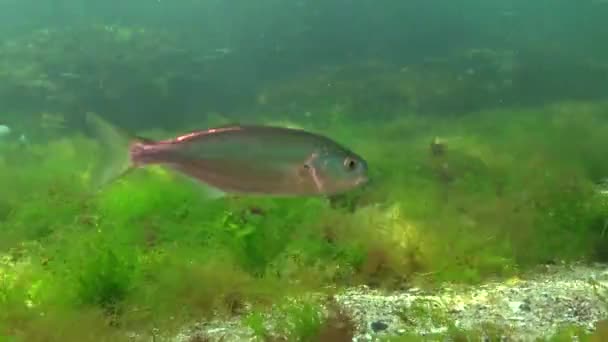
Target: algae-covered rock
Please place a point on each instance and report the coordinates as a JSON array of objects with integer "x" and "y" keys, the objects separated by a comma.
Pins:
[
  {"x": 464, "y": 82},
  {"x": 120, "y": 70}
]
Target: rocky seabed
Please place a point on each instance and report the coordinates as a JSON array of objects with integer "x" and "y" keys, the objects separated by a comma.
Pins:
[{"x": 529, "y": 308}]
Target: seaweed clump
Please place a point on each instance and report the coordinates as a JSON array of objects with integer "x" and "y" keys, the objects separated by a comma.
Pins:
[{"x": 151, "y": 251}]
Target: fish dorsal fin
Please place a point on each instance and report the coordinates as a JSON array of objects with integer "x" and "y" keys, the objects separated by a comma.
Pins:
[
  {"x": 204, "y": 132},
  {"x": 143, "y": 140}
]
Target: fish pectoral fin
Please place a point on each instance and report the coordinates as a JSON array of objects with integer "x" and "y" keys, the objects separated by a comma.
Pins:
[
  {"x": 206, "y": 190},
  {"x": 213, "y": 192}
]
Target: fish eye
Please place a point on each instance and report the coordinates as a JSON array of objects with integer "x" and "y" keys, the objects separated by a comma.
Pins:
[{"x": 350, "y": 163}]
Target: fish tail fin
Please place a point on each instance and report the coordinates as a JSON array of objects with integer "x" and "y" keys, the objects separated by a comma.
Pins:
[{"x": 117, "y": 148}]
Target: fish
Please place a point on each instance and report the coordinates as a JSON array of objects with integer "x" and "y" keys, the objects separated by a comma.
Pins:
[
  {"x": 4, "y": 130},
  {"x": 238, "y": 159}
]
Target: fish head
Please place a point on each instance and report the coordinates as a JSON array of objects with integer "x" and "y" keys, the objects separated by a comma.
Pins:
[{"x": 338, "y": 171}]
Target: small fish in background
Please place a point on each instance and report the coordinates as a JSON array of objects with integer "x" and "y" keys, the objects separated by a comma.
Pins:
[
  {"x": 223, "y": 51},
  {"x": 217, "y": 53},
  {"x": 23, "y": 140},
  {"x": 6, "y": 134},
  {"x": 4, "y": 131},
  {"x": 239, "y": 159}
]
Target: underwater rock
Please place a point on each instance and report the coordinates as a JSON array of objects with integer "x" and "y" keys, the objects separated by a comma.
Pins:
[
  {"x": 466, "y": 81},
  {"x": 104, "y": 67},
  {"x": 525, "y": 306},
  {"x": 378, "y": 326}
]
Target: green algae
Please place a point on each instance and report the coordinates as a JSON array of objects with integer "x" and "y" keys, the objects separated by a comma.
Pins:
[
  {"x": 509, "y": 192},
  {"x": 301, "y": 319}
]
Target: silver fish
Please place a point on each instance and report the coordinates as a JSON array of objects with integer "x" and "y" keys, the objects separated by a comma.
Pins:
[{"x": 243, "y": 159}]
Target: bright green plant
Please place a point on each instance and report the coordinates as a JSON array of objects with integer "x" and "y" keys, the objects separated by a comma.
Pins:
[
  {"x": 300, "y": 321},
  {"x": 256, "y": 322}
]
